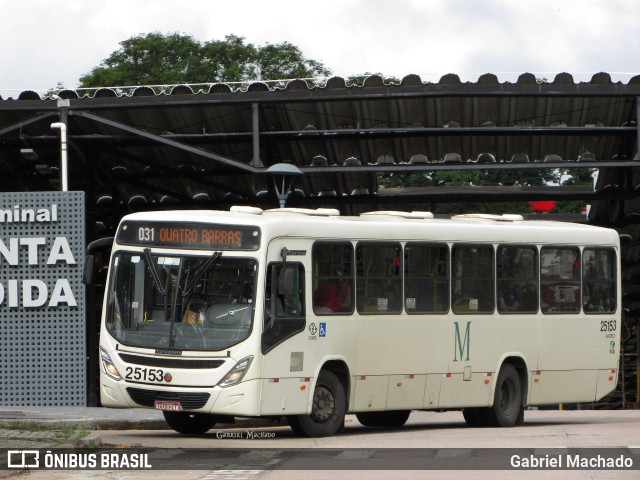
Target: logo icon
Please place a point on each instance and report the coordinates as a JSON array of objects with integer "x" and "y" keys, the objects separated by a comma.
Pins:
[
  {"x": 323, "y": 329},
  {"x": 313, "y": 329},
  {"x": 23, "y": 459}
]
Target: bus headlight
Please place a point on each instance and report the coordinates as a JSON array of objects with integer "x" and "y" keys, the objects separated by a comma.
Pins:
[
  {"x": 237, "y": 373},
  {"x": 109, "y": 368}
]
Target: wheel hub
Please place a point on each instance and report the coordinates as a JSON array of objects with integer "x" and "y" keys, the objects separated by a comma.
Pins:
[{"x": 323, "y": 404}]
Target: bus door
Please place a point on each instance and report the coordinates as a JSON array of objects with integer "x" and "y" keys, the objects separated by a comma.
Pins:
[{"x": 286, "y": 363}]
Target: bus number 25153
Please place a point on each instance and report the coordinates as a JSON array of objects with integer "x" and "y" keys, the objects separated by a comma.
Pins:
[
  {"x": 146, "y": 374},
  {"x": 608, "y": 326}
]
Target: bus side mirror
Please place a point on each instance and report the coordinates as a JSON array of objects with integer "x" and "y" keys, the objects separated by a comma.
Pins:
[
  {"x": 89, "y": 261},
  {"x": 88, "y": 275}
]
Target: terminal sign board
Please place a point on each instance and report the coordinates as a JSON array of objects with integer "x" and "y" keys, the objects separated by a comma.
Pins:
[{"x": 42, "y": 298}]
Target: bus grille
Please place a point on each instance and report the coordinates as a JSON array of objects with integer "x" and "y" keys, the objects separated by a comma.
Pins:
[
  {"x": 189, "y": 401},
  {"x": 170, "y": 362}
]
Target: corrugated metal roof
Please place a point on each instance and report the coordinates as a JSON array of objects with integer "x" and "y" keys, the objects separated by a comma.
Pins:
[{"x": 378, "y": 126}]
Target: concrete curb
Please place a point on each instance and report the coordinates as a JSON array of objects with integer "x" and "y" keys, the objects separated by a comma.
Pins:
[{"x": 92, "y": 424}]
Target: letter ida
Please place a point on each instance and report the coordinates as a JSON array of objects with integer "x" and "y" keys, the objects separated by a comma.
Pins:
[{"x": 34, "y": 291}]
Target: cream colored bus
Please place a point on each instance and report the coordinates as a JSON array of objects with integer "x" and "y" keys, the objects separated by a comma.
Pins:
[{"x": 305, "y": 314}]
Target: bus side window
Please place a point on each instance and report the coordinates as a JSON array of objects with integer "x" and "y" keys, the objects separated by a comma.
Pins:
[
  {"x": 284, "y": 303},
  {"x": 516, "y": 279},
  {"x": 472, "y": 279},
  {"x": 332, "y": 277},
  {"x": 560, "y": 280},
  {"x": 599, "y": 280},
  {"x": 426, "y": 278},
  {"x": 379, "y": 278}
]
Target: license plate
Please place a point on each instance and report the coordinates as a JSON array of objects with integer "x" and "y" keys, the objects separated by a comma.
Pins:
[{"x": 168, "y": 406}]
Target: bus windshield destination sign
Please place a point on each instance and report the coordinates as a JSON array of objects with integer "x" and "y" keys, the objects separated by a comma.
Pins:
[{"x": 200, "y": 236}]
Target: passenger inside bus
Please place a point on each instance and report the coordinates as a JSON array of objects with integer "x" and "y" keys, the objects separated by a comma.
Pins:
[
  {"x": 194, "y": 314},
  {"x": 509, "y": 297},
  {"x": 332, "y": 295},
  {"x": 327, "y": 297}
]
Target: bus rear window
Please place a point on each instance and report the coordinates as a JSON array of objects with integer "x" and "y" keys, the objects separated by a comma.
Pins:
[{"x": 599, "y": 280}]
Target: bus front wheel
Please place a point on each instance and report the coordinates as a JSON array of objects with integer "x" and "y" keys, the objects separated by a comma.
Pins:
[
  {"x": 328, "y": 409},
  {"x": 190, "y": 423},
  {"x": 507, "y": 402}
]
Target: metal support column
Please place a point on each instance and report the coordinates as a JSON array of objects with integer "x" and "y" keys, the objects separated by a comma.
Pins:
[
  {"x": 255, "y": 131},
  {"x": 637, "y": 128}
]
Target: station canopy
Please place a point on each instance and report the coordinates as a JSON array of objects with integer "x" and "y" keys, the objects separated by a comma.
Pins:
[{"x": 211, "y": 146}]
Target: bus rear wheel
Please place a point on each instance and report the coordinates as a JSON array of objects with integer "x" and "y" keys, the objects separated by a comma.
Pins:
[
  {"x": 328, "y": 409},
  {"x": 507, "y": 402},
  {"x": 392, "y": 418},
  {"x": 190, "y": 423}
]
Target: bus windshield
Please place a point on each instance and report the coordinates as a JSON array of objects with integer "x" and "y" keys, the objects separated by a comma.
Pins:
[{"x": 180, "y": 302}]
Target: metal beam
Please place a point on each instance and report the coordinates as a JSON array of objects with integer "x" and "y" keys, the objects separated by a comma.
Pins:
[
  {"x": 24, "y": 123},
  {"x": 166, "y": 141}
]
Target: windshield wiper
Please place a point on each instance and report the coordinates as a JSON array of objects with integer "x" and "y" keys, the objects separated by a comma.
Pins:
[
  {"x": 191, "y": 282},
  {"x": 155, "y": 276}
]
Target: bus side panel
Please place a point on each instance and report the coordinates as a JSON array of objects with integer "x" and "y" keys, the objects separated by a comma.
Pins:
[
  {"x": 478, "y": 345},
  {"x": 370, "y": 393},
  {"x": 395, "y": 347},
  {"x": 607, "y": 381},
  {"x": 284, "y": 396},
  {"x": 572, "y": 351},
  {"x": 563, "y": 387},
  {"x": 432, "y": 391},
  {"x": 406, "y": 392}
]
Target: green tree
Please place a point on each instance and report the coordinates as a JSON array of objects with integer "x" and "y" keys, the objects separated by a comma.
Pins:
[
  {"x": 284, "y": 60},
  {"x": 576, "y": 176},
  {"x": 165, "y": 59},
  {"x": 472, "y": 178}
]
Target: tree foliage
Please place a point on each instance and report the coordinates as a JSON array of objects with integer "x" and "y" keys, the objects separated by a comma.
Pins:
[
  {"x": 485, "y": 178},
  {"x": 165, "y": 59}
]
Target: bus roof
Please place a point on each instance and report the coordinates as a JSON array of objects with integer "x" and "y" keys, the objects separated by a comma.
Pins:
[{"x": 392, "y": 226}]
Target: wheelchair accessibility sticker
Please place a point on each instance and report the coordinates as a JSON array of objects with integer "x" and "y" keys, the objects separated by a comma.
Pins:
[{"x": 317, "y": 332}]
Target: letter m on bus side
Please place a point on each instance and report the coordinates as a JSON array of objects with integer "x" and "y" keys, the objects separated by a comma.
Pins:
[{"x": 462, "y": 345}]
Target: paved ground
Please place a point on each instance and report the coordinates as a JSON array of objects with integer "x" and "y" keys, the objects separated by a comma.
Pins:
[
  {"x": 66, "y": 427},
  {"x": 69, "y": 427}
]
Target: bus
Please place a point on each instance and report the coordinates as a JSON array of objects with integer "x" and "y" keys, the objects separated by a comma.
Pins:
[{"x": 309, "y": 315}]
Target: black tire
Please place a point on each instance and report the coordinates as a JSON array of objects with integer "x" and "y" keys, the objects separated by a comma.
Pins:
[
  {"x": 328, "y": 409},
  {"x": 507, "y": 401},
  {"x": 474, "y": 417},
  {"x": 190, "y": 423},
  {"x": 520, "y": 420},
  {"x": 392, "y": 418}
]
